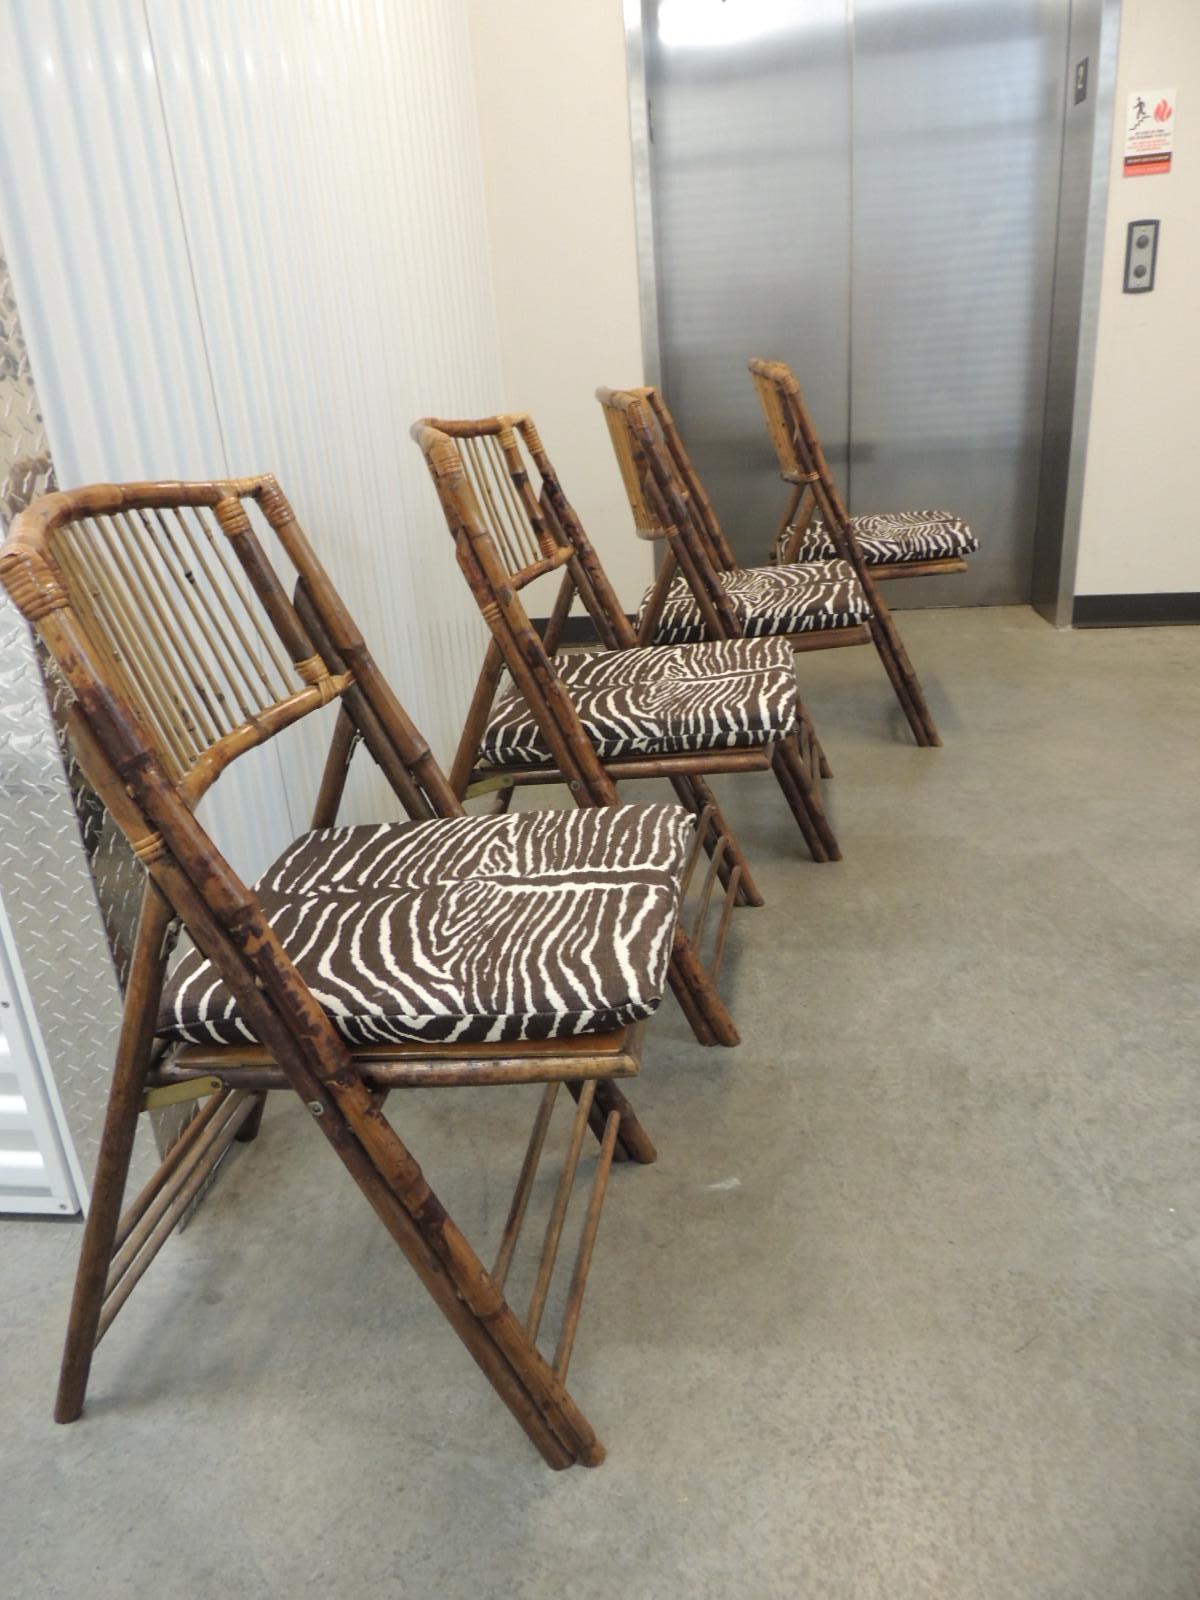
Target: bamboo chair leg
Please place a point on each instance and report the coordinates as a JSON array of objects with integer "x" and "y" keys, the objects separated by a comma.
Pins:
[
  {"x": 781, "y": 553},
  {"x": 698, "y": 997},
  {"x": 911, "y": 682},
  {"x": 825, "y": 770},
  {"x": 467, "y": 1294},
  {"x": 805, "y": 802},
  {"x": 633, "y": 1142},
  {"x": 794, "y": 795},
  {"x": 904, "y": 680},
  {"x": 699, "y": 1000},
  {"x": 890, "y": 648},
  {"x": 248, "y": 1131},
  {"x": 696, "y": 795},
  {"x": 890, "y": 666},
  {"x": 116, "y": 1147},
  {"x": 682, "y": 990}
]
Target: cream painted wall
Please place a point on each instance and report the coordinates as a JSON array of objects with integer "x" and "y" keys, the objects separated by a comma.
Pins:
[
  {"x": 1140, "y": 532},
  {"x": 553, "y": 114}
]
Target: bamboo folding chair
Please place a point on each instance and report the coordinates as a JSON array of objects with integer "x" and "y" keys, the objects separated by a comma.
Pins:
[
  {"x": 695, "y": 596},
  {"x": 894, "y": 544},
  {"x": 592, "y": 720},
  {"x": 820, "y": 605},
  {"x": 443, "y": 950}
]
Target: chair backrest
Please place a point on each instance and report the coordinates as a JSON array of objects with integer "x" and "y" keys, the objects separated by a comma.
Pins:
[
  {"x": 498, "y": 521},
  {"x": 719, "y": 549},
  {"x": 509, "y": 487},
  {"x": 178, "y": 639},
  {"x": 182, "y": 649},
  {"x": 798, "y": 449},
  {"x": 659, "y": 479},
  {"x": 648, "y": 407}
]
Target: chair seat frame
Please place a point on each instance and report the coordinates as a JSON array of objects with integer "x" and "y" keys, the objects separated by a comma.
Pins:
[{"x": 797, "y": 519}]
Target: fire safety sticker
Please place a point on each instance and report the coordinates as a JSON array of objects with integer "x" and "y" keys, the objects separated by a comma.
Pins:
[{"x": 1149, "y": 132}]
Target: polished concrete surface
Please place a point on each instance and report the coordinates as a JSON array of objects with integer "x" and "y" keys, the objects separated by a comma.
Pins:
[{"x": 908, "y": 1306}]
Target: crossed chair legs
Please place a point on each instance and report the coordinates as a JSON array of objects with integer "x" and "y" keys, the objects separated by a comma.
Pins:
[{"x": 119, "y": 1245}]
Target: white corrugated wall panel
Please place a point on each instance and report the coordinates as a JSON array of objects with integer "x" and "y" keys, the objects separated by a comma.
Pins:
[
  {"x": 96, "y": 245},
  {"x": 249, "y": 237}
]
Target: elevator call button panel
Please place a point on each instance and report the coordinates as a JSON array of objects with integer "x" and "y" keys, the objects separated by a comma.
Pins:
[{"x": 1141, "y": 257}]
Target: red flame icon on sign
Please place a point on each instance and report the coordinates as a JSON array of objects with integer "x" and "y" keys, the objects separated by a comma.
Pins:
[{"x": 1162, "y": 111}]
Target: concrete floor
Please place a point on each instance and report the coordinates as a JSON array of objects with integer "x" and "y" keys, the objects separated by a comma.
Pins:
[{"x": 908, "y": 1306}]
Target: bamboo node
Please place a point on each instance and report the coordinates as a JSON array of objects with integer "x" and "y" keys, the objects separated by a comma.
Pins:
[
  {"x": 275, "y": 505},
  {"x": 34, "y": 590},
  {"x": 313, "y": 671},
  {"x": 232, "y": 516},
  {"x": 148, "y": 848}
]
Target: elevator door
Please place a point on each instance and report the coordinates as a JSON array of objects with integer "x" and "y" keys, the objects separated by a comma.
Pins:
[{"x": 868, "y": 189}]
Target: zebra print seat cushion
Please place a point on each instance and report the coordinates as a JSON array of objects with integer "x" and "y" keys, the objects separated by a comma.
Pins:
[
  {"x": 656, "y": 701},
  {"x": 770, "y": 601},
  {"x": 529, "y": 926},
  {"x": 891, "y": 537}
]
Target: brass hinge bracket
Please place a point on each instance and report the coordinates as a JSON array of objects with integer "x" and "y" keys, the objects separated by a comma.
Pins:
[{"x": 173, "y": 1094}]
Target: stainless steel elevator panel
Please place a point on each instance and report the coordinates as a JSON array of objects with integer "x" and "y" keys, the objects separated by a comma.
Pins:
[
  {"x": 750, "y": 166},
  {"x": 958, "y": 118},
  {"x": 867, "y": 188}
]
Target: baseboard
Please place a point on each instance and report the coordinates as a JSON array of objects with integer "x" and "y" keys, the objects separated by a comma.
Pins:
[
  {"x": 579, "y": 630},
  {"x": 1134, "y": 610}
]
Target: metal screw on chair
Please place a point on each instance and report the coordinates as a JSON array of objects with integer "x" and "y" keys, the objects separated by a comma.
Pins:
[{"x": 317, "y": 1109}]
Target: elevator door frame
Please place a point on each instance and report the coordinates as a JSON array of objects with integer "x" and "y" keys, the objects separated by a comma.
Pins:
[{"x": 1082, "y": 204}]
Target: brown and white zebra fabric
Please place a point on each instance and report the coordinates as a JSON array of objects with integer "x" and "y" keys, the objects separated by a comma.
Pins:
[
  {"x": 888, "y": 538},
  {"x": 657, "y": 701},
  {"x": 529, "y": 926},
  {"x": 770, "y": 601}
]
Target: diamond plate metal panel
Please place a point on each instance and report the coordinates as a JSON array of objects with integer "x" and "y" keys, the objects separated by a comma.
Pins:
[{"x": 47, "y": 812}]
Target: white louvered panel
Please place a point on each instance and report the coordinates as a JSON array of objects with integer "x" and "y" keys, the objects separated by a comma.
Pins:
[
  {"x": 248, "y": 236},
  {"x": 328, "y": 166},
  {"x": 99, "y": 262},
  {"x": 34, "y": 1175}
]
